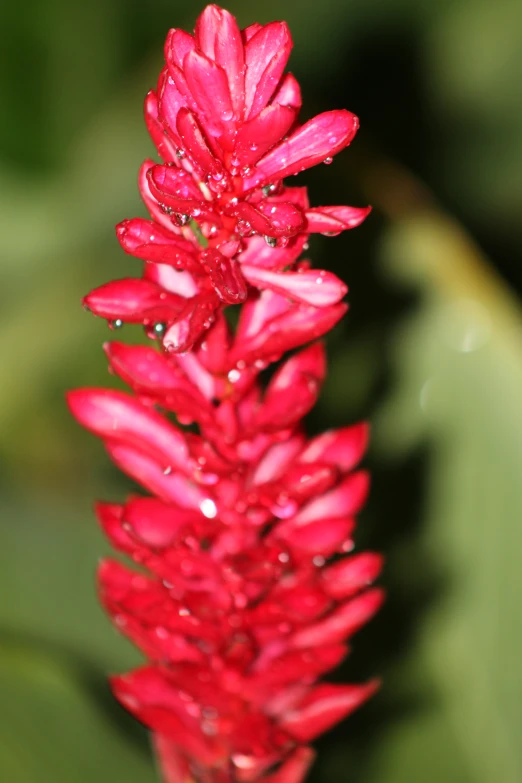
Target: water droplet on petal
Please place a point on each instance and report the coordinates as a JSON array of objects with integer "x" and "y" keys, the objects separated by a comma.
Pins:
[
  {"x": 168, "y": 470},
  {"x": 226, "y": 116},
  {"x": 328, "y": 160},
  {"x": 208, "y": 508},
  {"x": 271, "y": 241},
  {"x": 159, "y": 328},
  {"x": 318, "y": 561},
  {"x": 116, "y": 324}
]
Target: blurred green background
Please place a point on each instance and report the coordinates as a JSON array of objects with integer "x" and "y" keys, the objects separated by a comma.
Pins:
[{"x": 431, "y": 353}]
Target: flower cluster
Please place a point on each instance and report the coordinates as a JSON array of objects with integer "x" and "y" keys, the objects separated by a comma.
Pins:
[
  {"x": 224, "y": 120},
  {"x": 246, "y": 594}
]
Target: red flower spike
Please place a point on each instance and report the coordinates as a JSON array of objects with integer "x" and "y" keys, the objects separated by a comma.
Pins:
[{"x": 245, "y": 594}]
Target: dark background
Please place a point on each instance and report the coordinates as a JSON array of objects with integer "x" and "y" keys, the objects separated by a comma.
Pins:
[{"x": 431, "y": 353}]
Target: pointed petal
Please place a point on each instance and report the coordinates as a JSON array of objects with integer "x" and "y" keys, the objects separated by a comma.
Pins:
[
  {"x": 325, "y": 706},
  {"x": 219, "y": 38},
  {"x": 333, "y": 220},
  {"x": 208, "y": 84},
  {"x": 170, "y": 101},
  {"x": 225, "y": 275},
  {"x": 294, "y": 389},
  {"x": 160, "y": 216},
  {"x": 289, "y": 92},
  {"x": 290, "y": 328},
  {"x": 134, "y": 300},
  {"x": 351, "y": 574},
  {"x": 168, "y": 486},
  {"x": 341, "y": 623},
  {"x": 176, "y": 189},
  {"x": 314, "y": 287},
  {"x": 149, "y": 241},
  {"x": 196, "y": 145},
  {"x": 266, "y": 55},
  {"x": 258, "y": 253},
  {"x": 278, "y": 219},
  {"x": 191, "y": 325},
  {"x": 256, "y": 136},
  {"x": 320, "y": 138},
  {"x": 173, "y": 280},
  {"x": 343, "y": 448},
  {"x": 322, "y": 538},
  {"x": 166, "y": 146},
  {"x": 345, "y": 500},
  {"x": 119, "y": 417}
]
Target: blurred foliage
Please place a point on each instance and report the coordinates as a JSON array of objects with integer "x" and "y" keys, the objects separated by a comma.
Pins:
[{"x": 430, "y": 352}]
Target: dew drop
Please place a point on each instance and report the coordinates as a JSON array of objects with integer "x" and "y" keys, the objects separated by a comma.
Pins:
[
  {"x": 234, "y": 376},
  {"x": 227, "y": 115},
  {"x": 208, "y": 508},
  {"x": 159, "y": 328},
  {"x": 180, "y": 154},
  {"x": 182, "y": 219},
  {"x": 318, "y": 561},
  {"x": 328, "y": 160},
  {"x": 283, "y": 557},
  {"x": 116, "y": 324},
  {"x": 271, "y": 241},
  {"x": 168, "y": 470}
]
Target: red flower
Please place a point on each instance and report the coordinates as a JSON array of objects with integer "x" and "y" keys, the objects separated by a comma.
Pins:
[
  {"x": 242, "y": 607},
  {"x": 246, "y": 594},
  {"x": 224, "y": 119}
]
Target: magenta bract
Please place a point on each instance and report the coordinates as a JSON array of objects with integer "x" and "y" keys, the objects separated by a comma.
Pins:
[{"x": 247, "y": 590}]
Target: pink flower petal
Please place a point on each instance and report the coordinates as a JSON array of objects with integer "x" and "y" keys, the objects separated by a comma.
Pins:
[
  {"x": 288, "y": 93},
  {"x": 341, "y": 623},
  {"x": 172, "y": 280},
  {"x": 344, "y": 447},
  {"x": 333, "y": 220},
  {"x": 346, "y": 577},
  {"x": 256, "y": 136},
  {"x": 325, "y": 706},
  {"x": 150, "y": 241},
  {"x": 119, "y": 417},
  {"x": 314, "y": 287},
  {"x": 156, "y": 702},
  {"x": 258, "y": 253},
  {"x": 322, "y": 538},
  {"x": 166, "y": 146},
  {"x": 345, "y": 500},
  {"x": 159, "y": 215},
  {"x": 155, "y": 477},
  {"x": 225, "y": 275},
  {"x": 219, "y": 38},
  {"x": 266, "y": 55},
  {"x": 134, "y": 300},
  {"x": 191, "y": 325},
  {"x": 291, "y": 327},
  {"x": 208, "y": 84},
  {"x": 318, "y": 139},
  {"x": 153, "y": 375},
  {"x": 176, "y": 189},
  {"x": 196, "y": 145},
  {"x": 293, "y": 390},
  {"x": 170, "y": 101},
  {"x": 270, "y": 219}
]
